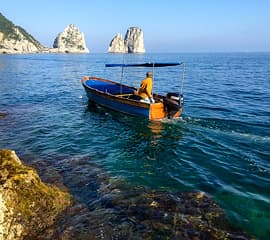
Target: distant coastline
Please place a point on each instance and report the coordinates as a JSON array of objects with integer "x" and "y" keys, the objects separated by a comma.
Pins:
[{"x": 15, "y": 40}]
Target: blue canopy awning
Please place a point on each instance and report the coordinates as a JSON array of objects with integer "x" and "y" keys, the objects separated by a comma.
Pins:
[{"x": 153, "y": 64}]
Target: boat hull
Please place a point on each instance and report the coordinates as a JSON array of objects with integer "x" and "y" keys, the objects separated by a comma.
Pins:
[
  {"x": 121, "y": 98},
  {"x": 116, "y": 104}
]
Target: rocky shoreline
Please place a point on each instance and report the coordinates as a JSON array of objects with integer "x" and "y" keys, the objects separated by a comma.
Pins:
[
  {"x": 31, "y": 209},
  {"x": 27, "y": 205}
]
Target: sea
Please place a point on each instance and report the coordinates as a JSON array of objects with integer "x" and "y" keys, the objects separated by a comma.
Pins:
[{"x": 220, "y": 146}]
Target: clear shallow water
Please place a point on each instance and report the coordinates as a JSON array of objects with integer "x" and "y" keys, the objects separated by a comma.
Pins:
[{"x": 221, "y": 146}]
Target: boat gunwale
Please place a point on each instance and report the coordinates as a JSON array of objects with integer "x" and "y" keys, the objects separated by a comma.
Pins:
[{"x": 128, "y": 101}]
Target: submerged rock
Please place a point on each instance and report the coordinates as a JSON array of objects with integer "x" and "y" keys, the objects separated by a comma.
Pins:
[
  {"x": 2, "y": 115},
  {"x": 106, "y": 208},
  {"x": 27, "y": 205},
  {"x": 112, "y": 209}
]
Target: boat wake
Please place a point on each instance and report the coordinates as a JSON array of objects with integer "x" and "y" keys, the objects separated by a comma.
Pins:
[
  {"x": 254, "y": 132},
  {"x": 172, "y": 121}
]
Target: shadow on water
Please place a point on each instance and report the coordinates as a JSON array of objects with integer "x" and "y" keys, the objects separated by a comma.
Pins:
[{"x": 143, "y": 127}]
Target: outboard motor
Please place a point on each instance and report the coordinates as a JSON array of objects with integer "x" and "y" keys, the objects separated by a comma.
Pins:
[{"x": 173, "y": 102}]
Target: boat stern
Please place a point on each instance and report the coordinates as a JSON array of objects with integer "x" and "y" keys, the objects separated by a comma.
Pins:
[{"x": 157, "y": 111}]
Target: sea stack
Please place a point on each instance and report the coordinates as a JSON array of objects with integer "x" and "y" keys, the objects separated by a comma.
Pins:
[
  {"x": 133, "y": 42},
  {"x": 71, "y": 40},
  {"x": 117, "y": 44}
]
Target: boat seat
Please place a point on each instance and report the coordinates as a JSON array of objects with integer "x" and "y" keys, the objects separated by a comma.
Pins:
[
  {"x": 135, "y": 97},
  {"x": 108, "y": 87},
  {"x": 126, "y": 95}
]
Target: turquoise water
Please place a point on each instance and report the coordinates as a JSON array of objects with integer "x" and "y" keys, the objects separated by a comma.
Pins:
[{"x": 220, "y": 146}]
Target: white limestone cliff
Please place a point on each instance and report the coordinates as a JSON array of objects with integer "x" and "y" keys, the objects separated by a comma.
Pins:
[
  {"x": 19, "y": 42},
  {"x": 133, "y": 42},
  {"x": 117, "y": 45},
  {"x": 71, "y": 40}
]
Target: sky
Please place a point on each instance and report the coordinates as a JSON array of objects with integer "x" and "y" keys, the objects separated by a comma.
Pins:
[{"x": 168, "y": 25}]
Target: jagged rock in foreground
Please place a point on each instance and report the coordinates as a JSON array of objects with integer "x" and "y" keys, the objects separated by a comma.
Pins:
[
  {"x": 133, "y": 42},
  {"x": 71, "y": 40},
  {"x": 14, "y": 39},
  {"x": 27, "y": 205}
]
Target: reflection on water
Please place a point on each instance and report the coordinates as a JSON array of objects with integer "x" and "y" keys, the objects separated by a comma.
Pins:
[{"x": 156, "y": 127}]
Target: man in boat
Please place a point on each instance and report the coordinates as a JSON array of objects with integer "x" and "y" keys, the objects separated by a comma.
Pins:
[{"x": 145, "y": 90}]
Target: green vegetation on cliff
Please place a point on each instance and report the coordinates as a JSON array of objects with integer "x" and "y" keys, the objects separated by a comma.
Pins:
[
  {"x": 9, "y": 31},
  {"x": 6, "y": 26}
]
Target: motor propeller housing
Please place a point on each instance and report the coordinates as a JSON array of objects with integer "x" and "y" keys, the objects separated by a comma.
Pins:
[{"x": 173, "y": 102}]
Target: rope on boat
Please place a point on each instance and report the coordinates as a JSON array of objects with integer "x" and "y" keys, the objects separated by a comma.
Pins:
[
  {"x": 122, "y": 75},
  {"x": 181, "y": 98},
  {"x": 183, "y": 78}
]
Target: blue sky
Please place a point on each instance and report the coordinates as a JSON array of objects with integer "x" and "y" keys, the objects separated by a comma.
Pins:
[{"x": 168, "y": 25}]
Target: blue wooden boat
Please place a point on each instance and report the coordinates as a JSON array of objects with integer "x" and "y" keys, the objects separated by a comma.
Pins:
[{"x": 121, "y": 98}]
